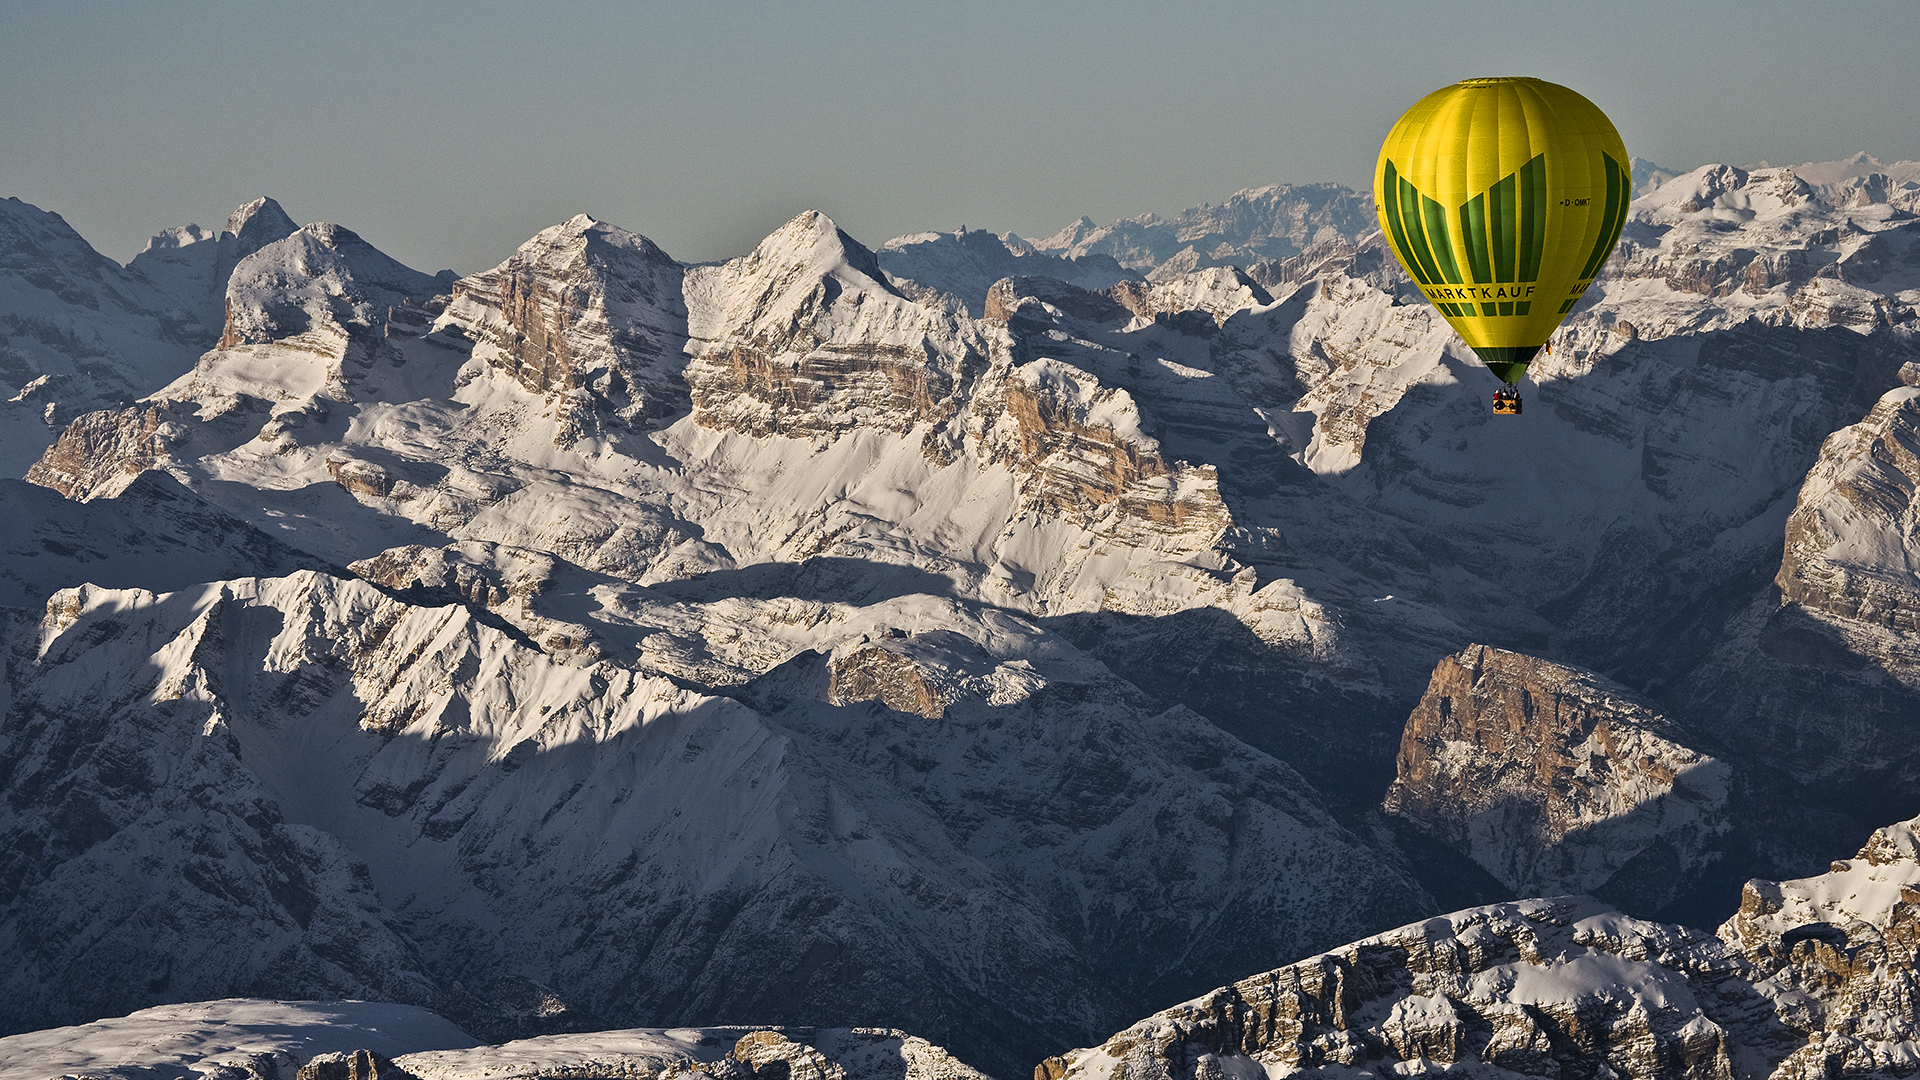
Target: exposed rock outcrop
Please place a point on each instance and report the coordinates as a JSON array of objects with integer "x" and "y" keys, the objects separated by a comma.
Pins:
[
  {"x": 894, "y": 680},
  {"x": 1083, "y": 453},
  {"x": 500, "y": 579},
  {"x": 1536, "y": 988},
  {"x": 1841, "y": 956},
  {"x": 101, "y": 452},
  {"x": 1557, "y": 780}
]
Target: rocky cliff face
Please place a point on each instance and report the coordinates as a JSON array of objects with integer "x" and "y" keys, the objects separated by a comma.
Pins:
[
  {"x": 101, "y": 452},
  {"x": 1838, "y": 952},
  {"x": 1811, "y": 979},
  {"x": 1853, "y": 547},
  {"x": 1832, "y": 647},
  {"x": 805, "y": 337},
  {"x": 1557, "y": 781},
  {"x": 1535, "y": 988},
  {"x": 583, "y": 309}
]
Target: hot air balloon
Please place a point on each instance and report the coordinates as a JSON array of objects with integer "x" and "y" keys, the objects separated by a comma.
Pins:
[{"x": 1502, "y": 198}]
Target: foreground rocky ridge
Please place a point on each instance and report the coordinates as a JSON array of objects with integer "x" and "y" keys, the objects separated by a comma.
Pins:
[
  {"x": 241, "y": 1039},
  {"x": 997, "y": 673},
  {"x": 1812, "y": 978}
]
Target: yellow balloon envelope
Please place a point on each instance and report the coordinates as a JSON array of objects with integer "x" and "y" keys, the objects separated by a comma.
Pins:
[{"x": 1503, "y": 197}]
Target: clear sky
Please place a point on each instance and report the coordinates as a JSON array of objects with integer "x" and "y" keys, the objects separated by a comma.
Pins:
[{"x": 447, "y": 133}]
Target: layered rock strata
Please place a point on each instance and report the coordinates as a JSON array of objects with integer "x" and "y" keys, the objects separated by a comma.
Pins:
[
  {"x": 583, "y": 307},
  {"x": 1557, "y": 780},
  {"x": 1853, "y": 540}
]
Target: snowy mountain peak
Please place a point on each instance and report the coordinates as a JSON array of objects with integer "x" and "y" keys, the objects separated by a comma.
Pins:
[
  {"x": 792, "y": 278},
  {"x": 1727, "y": 193},
  {"x": 323, "y": 284},
  {"x": 1067, "y": 237},
  {"x": 813, "y": 241},
  {"x": 585, "y": 227},
  {"x": 602, "y": 241},
  {"x": 31, "y": 235},
  {"x": 192, "y": 265},
  {"x": 1738, "y": 195},
  {"x": 78, "y": 331},
  {"x": 259, "y": 223},
  {"x": 177, "y": 237},
  {"x": 1858, "y": 167},
  {"x": 1648, "y": 175},
  {"x": 575, "y": 243},
  {"x": 981, "y": 639},
  {"x": 1217, "y": 291},
  {"x": 1273, "y": 222},
  {"x": 251, "y": 226}
]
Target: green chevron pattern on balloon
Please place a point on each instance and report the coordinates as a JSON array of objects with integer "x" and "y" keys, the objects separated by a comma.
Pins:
[{"x": 1503, "y": 230}]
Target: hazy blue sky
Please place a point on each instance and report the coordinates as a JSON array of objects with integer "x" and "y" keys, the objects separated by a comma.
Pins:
[{"x": 446, "y": 133}]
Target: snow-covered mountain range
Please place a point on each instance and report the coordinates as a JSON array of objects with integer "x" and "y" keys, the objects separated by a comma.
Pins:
[{"x": 988, "y": 639}]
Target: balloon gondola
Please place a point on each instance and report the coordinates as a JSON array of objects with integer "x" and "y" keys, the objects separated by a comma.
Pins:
[{"x": 1502, "y": 199}]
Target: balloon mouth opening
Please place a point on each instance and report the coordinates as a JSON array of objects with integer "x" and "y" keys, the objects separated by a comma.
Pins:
[{"x": 1509, "y": 365}]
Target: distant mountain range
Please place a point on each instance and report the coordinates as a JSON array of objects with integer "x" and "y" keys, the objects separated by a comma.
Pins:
[{"x": 989, "y": 640}]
